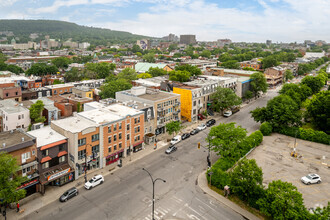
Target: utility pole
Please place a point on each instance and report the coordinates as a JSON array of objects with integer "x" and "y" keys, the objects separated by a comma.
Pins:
[{"x": 153, "y": 192}]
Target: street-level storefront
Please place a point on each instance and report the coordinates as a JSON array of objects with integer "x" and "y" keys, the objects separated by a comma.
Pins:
[
  {"x": 30, "y": 186},
  {"x": 56, "y": 177},
  {"x": 92, "y": 163},
  {"x": 160, "y": 130},
  {"x": 114, "y": 157},
  {"x": 138, "y": 146}
]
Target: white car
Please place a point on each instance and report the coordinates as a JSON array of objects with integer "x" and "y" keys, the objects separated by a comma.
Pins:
[
  {"x": 227, "y": 113},
  {"x": 201, "y": 127},
  {"x": 311, "y": 178},
  {"x": 176, "y": 139},
  {"x": 96, "y": 180}
]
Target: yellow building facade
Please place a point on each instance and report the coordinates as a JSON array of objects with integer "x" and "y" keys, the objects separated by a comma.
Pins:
[{"x": 186, "y": 102}]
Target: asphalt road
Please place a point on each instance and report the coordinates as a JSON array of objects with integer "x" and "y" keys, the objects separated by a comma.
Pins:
[{"x": 127, "y": 194}]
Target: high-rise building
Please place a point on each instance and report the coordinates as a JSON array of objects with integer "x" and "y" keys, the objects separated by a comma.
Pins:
[
  {"x": 268, "y": 42},
  {"x": 188, "y": 39}
]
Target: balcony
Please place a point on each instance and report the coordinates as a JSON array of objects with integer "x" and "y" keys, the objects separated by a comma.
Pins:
[
  {"x": 176, "y": 112},
  {"x": 176, "y": 104},
  {"x": 160, "y": 109}
]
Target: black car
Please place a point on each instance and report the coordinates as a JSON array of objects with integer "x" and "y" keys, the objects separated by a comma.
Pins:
[
  {"x": 195, "y": 131},
  {"x": 185, "y": 136},
  {"x": 69, "y": 194},
  {"x": 171, "y": 149},
  {"x": 210, "y": 122}
]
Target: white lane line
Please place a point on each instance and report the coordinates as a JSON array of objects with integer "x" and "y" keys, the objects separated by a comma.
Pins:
[
  {"x": 193, "y": 217},
  {"x": 195, "y": 211},
  {"x": 206, "y": 204},
  {"x": 163, "y": 213},
  {"x": 162, "y": 209},
  {"x": 179, "y": 210},
  {"x": 177, "y": 198}
]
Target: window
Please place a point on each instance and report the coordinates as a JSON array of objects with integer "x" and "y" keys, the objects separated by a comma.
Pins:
[
  {"x": 109, "y": 129},
  {"x": 114, "y": 147},
  {"x": 114, "y": 127},
  {"x": 127, "y": 127},
  {"x": 120, "y": 145},
  {"x": 44, "y": 153},
  {"x": 61, "y": 91},
  {"x": 22, "y": 116},
  {"x": 115, "y": 137},
  {"x": 95, "y": 137},
  {"x": 61, "y": 159},
  {"x": 19, "y": 117},
  {"x": 26, "y": 156},
  {"x": 128, "y": 137},
  {"x": 81, "y": 141},
  {"x": 137, "y": 129},
  {"x": 119, "y": 136},
  {"x": 194, "y": 112},
  {"x": 81, "y": 154},
  {"x": 7, "y": 94},
  {"x": 109, "y": 139},
  {"x": 45, "y": 165},
  {"x": 194, "y": 103},
  {"x": 96, "y": 149},
  {"x": 33, "y": 152},
  {"x": 61, "y": 147},
  {"x": 119, "y": 126},
  {"x": 109, "y": 149},
  {"x": 137, "y": 138},
  {"x": 16, "y": 93},
  {"x": 137, "y": 120}
]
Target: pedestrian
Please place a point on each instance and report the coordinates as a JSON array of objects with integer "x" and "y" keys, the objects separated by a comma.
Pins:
[{"x": 17, "y": 205}]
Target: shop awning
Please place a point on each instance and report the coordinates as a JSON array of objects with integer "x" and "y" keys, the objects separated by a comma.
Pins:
[
  {"x": 60, "y": 154},
  {"x": 52, "y": 144},
  {"x": 138, "y": 143},
  {"x": 45, "y": 159}
]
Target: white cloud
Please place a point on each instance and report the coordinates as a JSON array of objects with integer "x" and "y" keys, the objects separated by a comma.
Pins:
[
  {"x": 7, "y": 2},
  {"x": 56, "y": 5}
]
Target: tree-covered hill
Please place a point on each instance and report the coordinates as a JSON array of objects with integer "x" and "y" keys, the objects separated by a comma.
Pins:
[{"x": 62, "y": 30}]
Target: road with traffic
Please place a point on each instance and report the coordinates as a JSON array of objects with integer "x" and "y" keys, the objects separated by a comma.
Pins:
[{"x": 127, "y": 193}]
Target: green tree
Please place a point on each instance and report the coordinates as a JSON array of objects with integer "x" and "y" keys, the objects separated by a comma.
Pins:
[
  {"x": 108, "y": 90},
  {"x": 180, "y": 76},
  {"x": 14, "y": 69},
  {"x": 248, "y": 68},
  {"x": 246, "y": 181},
  {"x": 206, "y": 53},
  {"x": 269, "y": 61},
  {"x": 283, "y": 201},
  {"x": 139, "y": 54},
  {"x": 280, "y": 111},
  {"x": 193, "y": 70},
  {"x": 136, "y": 49},
  {"x": 36, "y": 112},
  {"x": 61, "y": 62},
  {"x": 315, "y": 83},
  {"x": 319, "y": 110},
  {"x": 305, "y": 91},
  {"x": 149, "y": 57},
  {"x": 73, "y": 75},
  {"x": 41, "y": 69},
  {"x": 288, "y": 75},
  {"x": 81, "y": 59},
  {"x": 224, "y": 98},
  {"x": 248, "y": 95},
  {"x": 144, "y": 76},
  {"x": 230, "y": 64},
  {"x": 258, "y": 83},
  {"x": 172, "y": 47},
  {"x": 266, "y": 128},
  {"x": 173, "y": 127},
  {"x": 3, "y": 57},
  {"x": 99, "y": 70},
  {"x": 225, "y": 138},
  {"x": 156, "y": 71},
  {"x": 57, "y": 81},
  {"x": 9, "y": 180},
  {"x": 127, "y": 74}
]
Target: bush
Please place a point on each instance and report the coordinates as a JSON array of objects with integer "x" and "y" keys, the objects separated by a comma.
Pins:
[
  {"x": 306, "y": 134},
  {"x": 219, "y": 178},
  {"x": 266, "y": 128}
]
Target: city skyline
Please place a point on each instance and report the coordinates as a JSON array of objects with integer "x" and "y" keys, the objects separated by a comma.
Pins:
[{"x": 209, "y": 20}]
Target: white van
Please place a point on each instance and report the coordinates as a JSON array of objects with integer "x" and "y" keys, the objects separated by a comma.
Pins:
[
  {"x": 227, "y": 113},
  {"x": 176, "y": 139}
]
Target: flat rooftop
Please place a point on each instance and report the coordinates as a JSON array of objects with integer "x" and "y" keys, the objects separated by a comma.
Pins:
[
  {"x": 12, "y": 138},
  {"x": 46, "y": 135},
  {"x": 74, "y": 124},
  {"x": 57, "y": 86},
  {"x": 100, "y": 116},
  {"x": 156, "y": 96}
]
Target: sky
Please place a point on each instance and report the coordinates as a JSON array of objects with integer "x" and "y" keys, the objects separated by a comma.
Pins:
[{"x": 209, "y": 20}]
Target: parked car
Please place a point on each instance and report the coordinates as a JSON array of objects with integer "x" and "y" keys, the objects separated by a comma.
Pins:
[
  {"x": 193, "y": 132},
  {"x": 171, "y": 149},
  {"x": 185, "y": 136},
  {"x": 176, "y": 140},
  {"x": 311, "y": 178},
  {"x": 69, "y": 194},
  {"x": 200, "y": 117},
  {"x": 235, "y": 109},
  {"x": 210, "y": 122},
  {"x": 96, "y": 180},
  {"x": 227, "y": 113},
  {"x": 201, "y": 127}
]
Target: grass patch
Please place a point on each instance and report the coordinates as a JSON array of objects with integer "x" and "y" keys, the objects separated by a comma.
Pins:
[{"x": 241, "y": 203}]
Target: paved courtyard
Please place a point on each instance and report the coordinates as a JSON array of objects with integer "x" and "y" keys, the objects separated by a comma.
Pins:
[{"x": 273, "y": 156}]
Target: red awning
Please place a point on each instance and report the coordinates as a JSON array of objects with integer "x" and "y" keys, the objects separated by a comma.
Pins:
[
  {"x": 52, "y": 145},
  {"x": 60, "y": 154},
  {"x": 45, "y": 159},
  {"x": 136, "y": 144}
]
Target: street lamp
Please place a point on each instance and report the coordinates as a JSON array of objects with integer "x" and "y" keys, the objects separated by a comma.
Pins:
[{"x": 153, "y": 191}]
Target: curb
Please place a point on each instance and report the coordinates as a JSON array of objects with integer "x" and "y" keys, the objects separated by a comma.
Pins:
[{"x": 203, "y": 185}]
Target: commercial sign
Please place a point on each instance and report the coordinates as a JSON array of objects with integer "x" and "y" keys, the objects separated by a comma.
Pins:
[
  {"x": 28, "y": 184},
  {"x": 54, "y": 176}
]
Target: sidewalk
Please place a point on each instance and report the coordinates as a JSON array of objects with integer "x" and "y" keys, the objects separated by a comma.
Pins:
[
  {"x": 202, "y": 183},
  {"x": 53, "y": 193}
]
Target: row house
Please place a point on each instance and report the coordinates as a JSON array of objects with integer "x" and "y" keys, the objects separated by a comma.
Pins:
[
  {"x": 252, "y": 64},
  {"x": 274, "y": 75},
  {"x": 14, "y": 93},
  {"x": 166, "y": 105},
  {"x": 22, "y": 146},
  {"x": 13, "y": 115},
  {"x": 60, "y": 89},
  {"x": 52, "y": 154}
]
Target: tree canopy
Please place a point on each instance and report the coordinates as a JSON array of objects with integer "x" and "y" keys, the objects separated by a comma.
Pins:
[
  {"x": 144, "y": 76},
  {"x": 109, "y": 89},
  {"x": 315, "y": 83},
  {"x": 61, "y": 62},
  {"x": 224, "y": 98},
  {"x": 9, "y": 180},
  {"x": 288, "y": 75},
  {"x": 41, "y": 69},
  {"x": 156, "y": 71},
  {"x": 127, "y": 74},
  {"x": 258, "y": 83},
  {"x": 173, "y": 127},
  {"x": 180, "y": 76},
  {"x": 149, "y": 57},
  {"x": 36, "y": 112},
  {"x": 230, "y": 64},
  {"x": 73, "y": 75},
  {"x": 193, "y": 70},
  {"x": 99, "y": 70}
]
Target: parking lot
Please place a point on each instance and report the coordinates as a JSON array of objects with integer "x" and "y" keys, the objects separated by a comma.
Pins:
[{"x": 273, "y": 156}]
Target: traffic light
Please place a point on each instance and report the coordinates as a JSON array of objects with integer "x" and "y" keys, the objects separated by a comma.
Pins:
[{"x": 199, "y": 145}]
